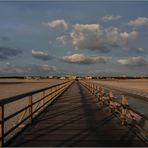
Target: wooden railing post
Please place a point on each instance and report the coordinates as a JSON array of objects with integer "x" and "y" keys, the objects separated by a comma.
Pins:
[
  {"x": 124, "y": 104},
  {"x": 2, "y": 125},
  {"x": 93, "y": 88},
  {"x": 43, "y": 100},
  {"x": 51, "y": 94},
  {"x": 30, "y": 110},
  {"x": 110, "y": 95}
]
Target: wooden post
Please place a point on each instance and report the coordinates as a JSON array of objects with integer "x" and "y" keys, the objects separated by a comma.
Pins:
[
  {"x": 124, "y": 104},
  {"x": 53, "y": 89},
  {"x": 56, "y": 90},
  {"x": 101, "y": 93},
  {"x": 96, "y": 90},
  {"x": 30, "y": 110},
  {"x": 43, "y": 100},
  {"x": 93, "y": 88},
  {"x": 98, "y": 94},
  {"x": 2, "y": 125},
  {"x": 110, "y": 95},
  {"x": 51, "y": 95}
]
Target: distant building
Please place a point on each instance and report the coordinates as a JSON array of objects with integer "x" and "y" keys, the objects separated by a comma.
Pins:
[
  {"x": 28, "y": 77},
  {"x": 71, "y": 77},
  {"x": 88, "y": 77},
  {"x": 50, "y": 77},
  {"x": 62, "y": 78}
]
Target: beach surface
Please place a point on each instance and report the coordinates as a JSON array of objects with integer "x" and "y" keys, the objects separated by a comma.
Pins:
[{"x": 13, "y": 87}]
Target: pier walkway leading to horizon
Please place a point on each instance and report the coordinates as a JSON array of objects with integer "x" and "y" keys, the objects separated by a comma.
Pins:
[{"x": 76, "y": 118}]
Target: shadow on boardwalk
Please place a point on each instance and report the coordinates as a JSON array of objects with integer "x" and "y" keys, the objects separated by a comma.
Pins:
[{"x": 76, "y": 119}]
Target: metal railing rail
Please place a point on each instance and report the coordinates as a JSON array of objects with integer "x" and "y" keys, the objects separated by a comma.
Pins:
[
  {"x": 124, "y": 112},
  {"x": 33, "y": 108}
]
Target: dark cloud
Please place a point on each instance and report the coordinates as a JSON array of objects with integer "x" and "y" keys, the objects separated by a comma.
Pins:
[
  {"x": 6, "y": 53},
  {"x": 134, "y": 50},
  {"x": 26, "y": 69},
  {"x": 3, "y": 57},
  {"x": 5, "y": 38}
]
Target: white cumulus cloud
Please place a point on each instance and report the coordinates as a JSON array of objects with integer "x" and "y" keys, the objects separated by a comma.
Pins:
[
  {"x": 133, "y": 61},
  {"x": 116, "y": 38},
  {"x": 111, "y": 17},
  {"x": 87, "y": 36},
  {"x": 64, "y": 39},
  {"x": 40, "y": 55},
  {"x": 95, "y": 37},
  {"x": 125, "y": 37},
  {"x": 83, "y": 59},
  {"x": 140, "y": 21},
  {"x": 56, "y": 24}
]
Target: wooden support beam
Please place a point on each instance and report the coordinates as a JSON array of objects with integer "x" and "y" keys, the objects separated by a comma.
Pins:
[
  {"x": 30, "y": 110},
  {"x": 2, "y": 125}
]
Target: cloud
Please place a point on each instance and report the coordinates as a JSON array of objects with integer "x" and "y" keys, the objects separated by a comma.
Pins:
[
  {"x": 64, "y": 39},
  {"x": 94, "y": 37},
  {"x": 56, "y": 24},
  {"x": 133, "y": 62},
  {"x": 7, "y": 53},
  {"x": 5, "y": 38},
  {"x": 111, "y": 18},
  {"x": 116, "y": 38},
  {"x": 88, "y": 36},
  {"x": 125, "y": 36},
  {"x": 85, "y": 36},
  {"x": 34, "y": 69},
  {"x": 140, "y": 21},
  {"x": 137, "y": 50},
  {"x": 41, "y": 55},
  {"x": 82, "y": 59}
]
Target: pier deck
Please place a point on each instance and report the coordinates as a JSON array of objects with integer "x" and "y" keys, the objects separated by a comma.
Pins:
[{"x": 77, "y": 119}]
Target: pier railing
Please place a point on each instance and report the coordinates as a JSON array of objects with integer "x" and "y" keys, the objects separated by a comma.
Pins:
[
  {"x": 120, "y": 108},
  {"x": 19, "y": 111}
]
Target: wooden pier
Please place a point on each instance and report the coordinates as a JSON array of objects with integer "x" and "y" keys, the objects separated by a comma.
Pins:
[{"x": 76, "y": 118}]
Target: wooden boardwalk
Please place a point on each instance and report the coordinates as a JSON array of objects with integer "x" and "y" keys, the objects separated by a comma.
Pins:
[{"x": 77, "y": 119}]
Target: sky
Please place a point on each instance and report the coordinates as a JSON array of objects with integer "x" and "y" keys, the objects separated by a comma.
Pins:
[{"x": 79, "y": 38}]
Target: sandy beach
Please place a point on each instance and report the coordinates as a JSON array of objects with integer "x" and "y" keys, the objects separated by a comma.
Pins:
[
  {"x": 134, "y": 84},
  {"x": 13, "y": 87},
  {"x": 134, "y": 90}
]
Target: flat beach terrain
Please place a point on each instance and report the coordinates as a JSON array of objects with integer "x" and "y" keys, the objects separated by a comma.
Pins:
[
  {"x": 137, "y": 87},
  {"x": 131, "y": 84},
  {"x": 13, "y": 87},
  {"x": 136, "y": 91}
]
